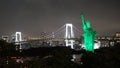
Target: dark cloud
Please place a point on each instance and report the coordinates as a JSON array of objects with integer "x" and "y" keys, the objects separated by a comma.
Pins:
[{"x": 35, "y": 16}]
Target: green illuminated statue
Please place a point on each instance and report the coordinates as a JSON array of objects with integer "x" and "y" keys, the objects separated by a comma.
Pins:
[{"x": 89, "y": 35}]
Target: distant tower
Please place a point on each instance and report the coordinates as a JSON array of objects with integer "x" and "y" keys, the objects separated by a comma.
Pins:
[
  {"x": 53, "y": 35},
  {"x": 18, "y": 39},
  {"x": 69, "y": 34}
]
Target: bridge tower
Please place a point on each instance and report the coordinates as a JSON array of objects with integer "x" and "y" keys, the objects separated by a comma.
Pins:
[
  {"x": 18, "y": 39},
  {"x": 69, "y": 35}
]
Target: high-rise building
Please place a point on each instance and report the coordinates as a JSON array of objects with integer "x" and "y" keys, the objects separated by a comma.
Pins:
[
  {"x": 117, "y": 37},
  {"x": 6, "y": 38},
  {"x": 117, "y": 34}
]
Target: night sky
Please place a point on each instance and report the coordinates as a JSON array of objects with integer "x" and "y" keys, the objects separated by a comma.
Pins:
[{"x": 32, "y": 17}]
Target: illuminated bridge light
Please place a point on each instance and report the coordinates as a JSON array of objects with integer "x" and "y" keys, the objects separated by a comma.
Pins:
[
  {"x": 18, "y": 37},
  {"x": 69, "y": 34}
]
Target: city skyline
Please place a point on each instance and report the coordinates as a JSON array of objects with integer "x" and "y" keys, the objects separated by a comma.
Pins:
[{"x": 35, "y": 16}]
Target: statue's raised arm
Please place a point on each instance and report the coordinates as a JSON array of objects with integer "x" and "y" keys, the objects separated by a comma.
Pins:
[{"x": 83, "y": 19}]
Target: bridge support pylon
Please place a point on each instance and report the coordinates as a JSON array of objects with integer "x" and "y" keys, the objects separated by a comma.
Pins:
[
  {"x": 69, "y": 35},
  {"x": 18, "y": 39}
]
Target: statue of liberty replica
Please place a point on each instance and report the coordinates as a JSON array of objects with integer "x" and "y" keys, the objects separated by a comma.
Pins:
[{"x": 89, "y": 34}]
